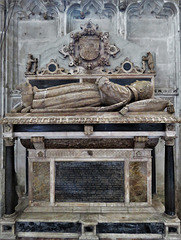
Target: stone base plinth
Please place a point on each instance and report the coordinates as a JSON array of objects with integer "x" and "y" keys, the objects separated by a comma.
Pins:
[{"x": 88, "y": 237}]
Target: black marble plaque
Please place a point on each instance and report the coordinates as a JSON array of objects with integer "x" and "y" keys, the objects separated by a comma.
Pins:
[
  {"x": 56, "y": 227},
  {"x": 131, "y": 228},
  {"x": 89, "y": 181}
]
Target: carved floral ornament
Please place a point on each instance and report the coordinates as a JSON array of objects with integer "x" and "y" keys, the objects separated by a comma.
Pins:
[{"x": 89, "y": 48}]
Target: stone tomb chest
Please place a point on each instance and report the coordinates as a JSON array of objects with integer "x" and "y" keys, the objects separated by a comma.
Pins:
[
  {"x": 94, "y": 177},
  {"x": 90, "y": 135}
]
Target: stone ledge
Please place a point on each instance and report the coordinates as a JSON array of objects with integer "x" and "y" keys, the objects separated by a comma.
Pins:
[{"x": 89, "y": 118}]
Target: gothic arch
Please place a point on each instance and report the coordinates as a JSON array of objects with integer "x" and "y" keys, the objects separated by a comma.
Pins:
[
  {"x": 41, "y": 8},
  {"x": 154, "y": 8},
  {"x": 99, "y": 9}
]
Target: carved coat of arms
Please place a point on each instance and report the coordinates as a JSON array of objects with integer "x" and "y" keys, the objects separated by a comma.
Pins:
[{"x": 89, "y": 48}]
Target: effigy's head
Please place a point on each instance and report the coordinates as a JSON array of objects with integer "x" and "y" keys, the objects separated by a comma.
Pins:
[
  {"x": 26, "y": 93},
  {"x": 144, "y": 89}
]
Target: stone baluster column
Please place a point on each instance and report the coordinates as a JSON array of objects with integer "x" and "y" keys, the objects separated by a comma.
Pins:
[
  {"x": 169, "y": 177},
  {"x": 11, "y": 198}
]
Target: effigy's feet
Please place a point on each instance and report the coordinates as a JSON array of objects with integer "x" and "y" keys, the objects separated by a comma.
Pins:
[{"x": 123, "y": 111}]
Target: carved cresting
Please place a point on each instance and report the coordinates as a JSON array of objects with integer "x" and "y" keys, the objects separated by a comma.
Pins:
[{"x": 89, "y": 48}]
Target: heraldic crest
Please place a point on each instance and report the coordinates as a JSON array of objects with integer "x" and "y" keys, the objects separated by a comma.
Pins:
[{"x": 89, "y": 48}]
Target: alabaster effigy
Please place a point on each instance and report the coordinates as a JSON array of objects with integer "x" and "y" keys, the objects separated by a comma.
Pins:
[{"x": 101, "y": 96}]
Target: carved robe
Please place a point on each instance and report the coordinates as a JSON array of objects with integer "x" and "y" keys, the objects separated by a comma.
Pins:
[{"x": 82, "y": 95}]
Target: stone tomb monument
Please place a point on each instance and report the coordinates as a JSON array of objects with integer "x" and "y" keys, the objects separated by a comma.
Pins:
[{"x": 90, "y": 134}]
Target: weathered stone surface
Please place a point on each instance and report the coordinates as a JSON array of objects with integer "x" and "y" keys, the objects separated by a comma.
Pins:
[
  {"x": 41, "y": 181},
  {"x": 89, "y": 143},
  {"x": 138, "y": 181},
  {"x": 32, "y": 238}
]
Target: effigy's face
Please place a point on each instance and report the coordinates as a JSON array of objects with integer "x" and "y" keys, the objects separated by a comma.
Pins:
[{"x": 139, "y": 85}]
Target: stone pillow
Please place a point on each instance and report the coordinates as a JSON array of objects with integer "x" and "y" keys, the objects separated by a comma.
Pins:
[{"x": 148, "y": 105}]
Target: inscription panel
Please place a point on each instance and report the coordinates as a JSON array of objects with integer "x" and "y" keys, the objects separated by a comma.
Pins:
[{"x": 89, "y": 181}]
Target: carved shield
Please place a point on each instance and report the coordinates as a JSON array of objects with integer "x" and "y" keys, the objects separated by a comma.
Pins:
[{"x": 89, "y": 48}]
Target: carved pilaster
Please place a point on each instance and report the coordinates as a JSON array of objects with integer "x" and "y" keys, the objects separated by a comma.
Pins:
[{"x": 139, "y": 141}]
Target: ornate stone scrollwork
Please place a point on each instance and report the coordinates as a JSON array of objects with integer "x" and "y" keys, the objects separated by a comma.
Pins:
[
  {"x": 128, "y": 67},
  {"x": 9, "y": 141},
  {"x": 89, "y": 48},
  {"x": 170, "y": 141},
  {"x": 8, "y": 128},
  {"x": 170, "y": 127},
  {"x": 53, "y": 68}
]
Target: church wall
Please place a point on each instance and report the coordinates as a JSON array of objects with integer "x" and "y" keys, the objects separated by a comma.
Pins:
[
  {"x": 34, "y": 34},
  {"x": 160, "y": 34},
  {"x": 157, "y": 37},
  {"x": 1, "y": 112}
]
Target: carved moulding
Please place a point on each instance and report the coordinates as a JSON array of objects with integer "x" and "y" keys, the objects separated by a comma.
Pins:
[
  {"x": 159, "y": 117},
  {"x": 41, "y": 9},
  {"x": 167, "y": 91},
  {"x": 154, "y": 8},
  {"x": 89, "y": 48}
]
